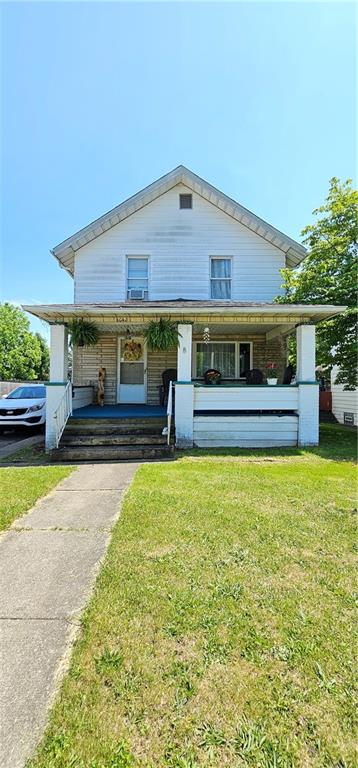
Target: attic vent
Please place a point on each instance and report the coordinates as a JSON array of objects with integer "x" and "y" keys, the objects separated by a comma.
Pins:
[{"x": 185, "y": 201}]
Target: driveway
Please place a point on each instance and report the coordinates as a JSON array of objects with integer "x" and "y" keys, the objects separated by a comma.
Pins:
[{"x": 49, "y": 561}]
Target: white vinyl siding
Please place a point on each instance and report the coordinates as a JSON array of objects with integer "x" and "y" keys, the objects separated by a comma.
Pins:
[
  {"x": 179, "y": 244},
  {"x": 245, "y": 431},
  {"x": 343, "y": 401}
]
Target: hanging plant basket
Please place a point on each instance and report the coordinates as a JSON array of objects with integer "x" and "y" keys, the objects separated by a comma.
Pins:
[
  {"x": 83, "y": 333},
  {"x": 161, "y": 335}
]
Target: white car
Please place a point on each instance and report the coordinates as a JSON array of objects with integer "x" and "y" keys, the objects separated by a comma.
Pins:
[{"x": 25, "y": 406}]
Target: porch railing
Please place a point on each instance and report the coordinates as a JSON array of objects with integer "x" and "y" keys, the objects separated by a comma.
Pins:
[
  {"x": 62, "y": 413},
  {"x": 245, "y": 398},
  {"x": 169, "y": 410}
]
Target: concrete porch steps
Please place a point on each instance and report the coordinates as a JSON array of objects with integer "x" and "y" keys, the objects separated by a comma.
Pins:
[
  {"x": 139, "y": 438},
  {"x": 115, "y": 426},
  {"x": 113, "y": 440},
  {"x": 112, "y": 452}
]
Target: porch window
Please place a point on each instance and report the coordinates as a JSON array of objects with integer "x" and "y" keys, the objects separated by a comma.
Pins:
[
  {"x": 137, "y": 277},
  {"x": 232, "y": 358},
  {"x": 218, "y": 355},
  {"x": 220, "y": 278}
]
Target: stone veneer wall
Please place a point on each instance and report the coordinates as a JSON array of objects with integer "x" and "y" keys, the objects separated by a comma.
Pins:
[
  {"x": 87, "y": 361},
  {"x": 274, "y": 351},
  {"x": 157, "y": 362},
  {"x": 263, "y": 352}
]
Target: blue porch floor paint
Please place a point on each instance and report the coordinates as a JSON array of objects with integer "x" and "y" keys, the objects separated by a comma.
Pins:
[{"x": 119, "y": 412}]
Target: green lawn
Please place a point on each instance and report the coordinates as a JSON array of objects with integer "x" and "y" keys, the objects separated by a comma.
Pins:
[
  {"x": 221, "y": 630},
  {"x": 21, "y": 487}
]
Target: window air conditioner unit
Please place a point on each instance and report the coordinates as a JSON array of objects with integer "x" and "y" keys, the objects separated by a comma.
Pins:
[{"x": 136, "y": 293}]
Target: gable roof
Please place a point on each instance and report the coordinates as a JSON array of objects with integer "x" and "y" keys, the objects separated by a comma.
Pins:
[{"x": 65, "y": 251}]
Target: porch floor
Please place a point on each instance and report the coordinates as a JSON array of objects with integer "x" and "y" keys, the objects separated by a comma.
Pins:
[{"x": 119, "y": 411}]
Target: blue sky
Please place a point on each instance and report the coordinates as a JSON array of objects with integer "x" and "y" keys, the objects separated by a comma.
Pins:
[{"x": 100, "y": 99}]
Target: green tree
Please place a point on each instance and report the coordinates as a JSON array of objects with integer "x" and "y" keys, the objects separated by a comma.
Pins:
[
  {"x": 22, "y": 353},
  {"x": 43, "y": 370},
  {"x": 328, "y": 275}
]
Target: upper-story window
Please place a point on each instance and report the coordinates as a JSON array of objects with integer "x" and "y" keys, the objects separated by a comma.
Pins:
[
  {"x": 137, "y": 277},
  {"x": 185, "y": 201},
  {"x": 220, "y": 278}
]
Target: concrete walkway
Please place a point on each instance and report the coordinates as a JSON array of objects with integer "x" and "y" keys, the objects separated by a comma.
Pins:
[{"x": 49, "y": 561}]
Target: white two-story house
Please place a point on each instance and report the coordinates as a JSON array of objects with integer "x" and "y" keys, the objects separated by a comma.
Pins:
[{"x": 183, "y": 250}]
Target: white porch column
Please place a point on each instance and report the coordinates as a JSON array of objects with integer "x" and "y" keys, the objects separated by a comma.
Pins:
[
  {"x": 308, "y": 389},
  {"x": 58, "y": 379},
  {"x": 185, "y": 351},
  {"x": 58, "y": 353},
  {"x": 184, "y": 415},
  {"x": 184, "y": 389}
]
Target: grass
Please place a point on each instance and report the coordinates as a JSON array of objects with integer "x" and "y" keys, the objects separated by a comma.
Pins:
[
  {"x": 221, "y": 629},
  {"x": 21, "y": 487}
]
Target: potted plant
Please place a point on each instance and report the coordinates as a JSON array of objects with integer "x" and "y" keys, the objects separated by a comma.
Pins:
[
  {"x": 271, "y": 374},
  {"x": 161, "y": 335},
  {"x": 212, "y": 376},
  {"x": 83, "y": 333}
]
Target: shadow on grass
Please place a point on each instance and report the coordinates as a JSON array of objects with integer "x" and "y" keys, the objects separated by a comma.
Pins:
[
  {"x": 337, "y": 443},
  {"x": 34, "y": 455}
]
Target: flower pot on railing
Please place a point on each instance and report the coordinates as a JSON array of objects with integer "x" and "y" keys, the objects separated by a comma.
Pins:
[
  {"x": 271, "y": 374},
  {"x": 212, "y": 376}
]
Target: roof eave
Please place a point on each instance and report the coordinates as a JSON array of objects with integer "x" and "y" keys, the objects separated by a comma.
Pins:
[
  {"x": 294, "y": 251},
  {"x": 68, "y": 267}
]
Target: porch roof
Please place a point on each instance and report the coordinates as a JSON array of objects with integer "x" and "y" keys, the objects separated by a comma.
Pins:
[
  {"x": 227, "y": 318},
  {"x": 225, "y": 312}
]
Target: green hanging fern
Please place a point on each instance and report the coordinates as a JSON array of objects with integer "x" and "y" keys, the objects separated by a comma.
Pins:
[
  {"x": 161, "y": 335},
  {"x": 84, "y": 333}
]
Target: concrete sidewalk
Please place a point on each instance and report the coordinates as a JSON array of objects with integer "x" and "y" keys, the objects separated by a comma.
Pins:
[{"x": 49, "y": 561}]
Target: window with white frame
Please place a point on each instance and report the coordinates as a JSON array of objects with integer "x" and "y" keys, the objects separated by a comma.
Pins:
[
  {"x": 220, "y": 278},
  {"x": 137, "y": 277},
  {"x": 232, "y": 358}
]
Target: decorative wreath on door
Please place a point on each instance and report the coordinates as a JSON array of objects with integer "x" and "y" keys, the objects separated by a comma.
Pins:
[{"x": 132, "y": 350}]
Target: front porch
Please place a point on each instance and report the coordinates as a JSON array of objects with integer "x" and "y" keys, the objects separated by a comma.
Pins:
[
  {"x": 229, "y": 336},
  {"x": 130, "y": 411}
]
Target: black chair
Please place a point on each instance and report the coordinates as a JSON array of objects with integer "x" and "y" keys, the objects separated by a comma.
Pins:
[
  {"x": 171, "y": 374},
  {"x": 288, "y": 375},
  {"x": 255, "y": 376}
]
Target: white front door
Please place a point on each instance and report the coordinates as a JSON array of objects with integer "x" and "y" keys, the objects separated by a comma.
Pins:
[{"x": 132, "y": 371}]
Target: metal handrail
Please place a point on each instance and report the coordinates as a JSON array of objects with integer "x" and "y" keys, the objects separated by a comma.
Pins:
[
  {"x": 62, "y": 413},
  {"x": 169, "y": 410}
]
